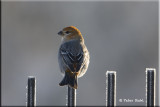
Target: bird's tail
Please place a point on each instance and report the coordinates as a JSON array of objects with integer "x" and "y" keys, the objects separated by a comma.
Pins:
[{"x": 70, "y": 80}]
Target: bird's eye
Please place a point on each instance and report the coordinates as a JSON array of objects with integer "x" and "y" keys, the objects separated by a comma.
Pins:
[{"x": 67, "y": 32}]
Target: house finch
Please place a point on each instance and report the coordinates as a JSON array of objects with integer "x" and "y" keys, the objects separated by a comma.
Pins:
[{"x": 73, "y": 56}]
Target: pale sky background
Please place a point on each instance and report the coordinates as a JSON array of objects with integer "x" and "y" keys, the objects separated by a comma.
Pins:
[{"x": 120, "y": 36}]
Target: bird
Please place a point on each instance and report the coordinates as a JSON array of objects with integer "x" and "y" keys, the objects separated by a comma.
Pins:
[{"x": 73, "y": 56}]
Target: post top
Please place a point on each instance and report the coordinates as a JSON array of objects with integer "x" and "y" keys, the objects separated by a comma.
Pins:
[{"x": 110, "y": 72}]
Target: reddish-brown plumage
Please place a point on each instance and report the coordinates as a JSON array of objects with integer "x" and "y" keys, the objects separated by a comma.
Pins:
[{"x": 75, "y": 33}]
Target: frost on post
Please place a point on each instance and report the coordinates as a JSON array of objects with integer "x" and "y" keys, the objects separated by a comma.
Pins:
[
  {"x": 31, "y": 91},
  {"x": 111, "y": 88},
  {"x": 150, "y": 86},
  {"x": 71, "y": 97}
]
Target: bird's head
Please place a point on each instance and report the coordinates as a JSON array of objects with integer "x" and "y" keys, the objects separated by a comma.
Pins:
[{"x": 70, "y": 33}]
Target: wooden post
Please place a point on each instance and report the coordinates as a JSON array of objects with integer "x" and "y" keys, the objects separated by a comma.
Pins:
[
  {"x": 111, "y": 88},
  {"x": 31, "y": 91},
  {"x": 71, "y": 97},
  {"x": 150, "y": 86}
]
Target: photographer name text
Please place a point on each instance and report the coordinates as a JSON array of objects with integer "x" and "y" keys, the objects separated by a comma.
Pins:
[{"x": 131, "y": 100}]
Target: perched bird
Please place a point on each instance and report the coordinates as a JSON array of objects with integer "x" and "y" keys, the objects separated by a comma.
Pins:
[{"x": 73, "y": 56}]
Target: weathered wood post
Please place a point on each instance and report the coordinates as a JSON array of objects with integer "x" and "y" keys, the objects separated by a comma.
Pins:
[
  {"x": 111, "y": 88},
  {"x": 150, "y": 86},
  {"x": 31, "y": 91},
  {"x": 71, "y": 97}
]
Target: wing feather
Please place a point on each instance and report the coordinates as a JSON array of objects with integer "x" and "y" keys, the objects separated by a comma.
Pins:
[{"x": 72, "y": 56}]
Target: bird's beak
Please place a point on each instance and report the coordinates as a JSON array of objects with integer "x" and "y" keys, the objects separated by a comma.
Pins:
[{"x": 60, "y": 33}]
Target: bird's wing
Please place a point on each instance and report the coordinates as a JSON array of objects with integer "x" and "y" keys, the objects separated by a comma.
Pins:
[{"x": 73, "y": 56}]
